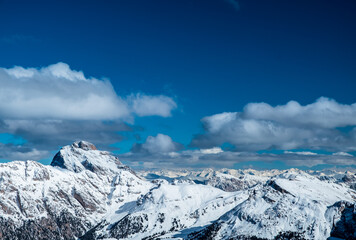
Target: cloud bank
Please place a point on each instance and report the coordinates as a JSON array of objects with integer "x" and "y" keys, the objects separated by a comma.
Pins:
[
  {"x": 51, "y": 134},
  {"x": 162, "y": 152},
  {"x": 291, "y": 126},
  {"x": 216, "y": 158},
  {"x": 58, "y": 92},
  {"x": 18, "y": 152},
  {"x": 323, "y": 113}
]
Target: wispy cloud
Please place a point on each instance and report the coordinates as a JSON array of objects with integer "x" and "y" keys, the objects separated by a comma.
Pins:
[{"x": 234, "y": 3}]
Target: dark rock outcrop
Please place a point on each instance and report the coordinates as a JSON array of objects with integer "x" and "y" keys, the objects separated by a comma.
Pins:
[
  {"x": 64, "y": 226},
  {"x": 345, "y": 228}
]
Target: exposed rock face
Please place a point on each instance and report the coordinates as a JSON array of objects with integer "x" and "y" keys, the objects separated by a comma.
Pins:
[
  {"x": 63, "y": 226},
  {"x": 211, "y": 232},
  {"x": 129, "y": 225},
  {"x": 345, "y": 226},
  {"x": 84, "y": 145},
  {"x": 350, "y": 180}
]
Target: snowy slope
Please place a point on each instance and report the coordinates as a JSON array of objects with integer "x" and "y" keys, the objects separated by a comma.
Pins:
[
  {"x": 169, "y": 208},
  {"x": 279, "y": 205},
  {"x": 291, "y": 204}
]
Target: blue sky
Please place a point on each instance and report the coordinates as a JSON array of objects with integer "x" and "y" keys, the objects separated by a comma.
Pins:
[{"x": 208, "y": 57}]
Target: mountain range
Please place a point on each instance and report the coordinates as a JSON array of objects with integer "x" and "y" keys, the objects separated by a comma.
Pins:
[{"x": 89, "y": 194}]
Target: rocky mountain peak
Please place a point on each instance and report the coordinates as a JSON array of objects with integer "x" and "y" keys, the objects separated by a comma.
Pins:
[
  {"x": 82, "y": 155},
  {"x": 84, "y": 145}
]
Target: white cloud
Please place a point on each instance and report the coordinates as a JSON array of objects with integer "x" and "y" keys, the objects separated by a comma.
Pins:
[
  {"x": 305, "y": 153},
  {"x": 62, "y": 70},
  {"x": 325, "y": 112},
  {"x": 291, "y": 126},
  {"x": 342, "y": 154},
  {"x": 144, "y": 105},
  {"x": 158, "y": 144},
  {"x": 215, "y": 122},
  {"x": 58, "y": 92},
  {"x": 213, "y": 150},
  {"x": 20, "y": 72},
  {"x": 249, "y": 134}
]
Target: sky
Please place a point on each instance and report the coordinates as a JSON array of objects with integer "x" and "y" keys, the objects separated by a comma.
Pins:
[{"x": 181, "y": 84}]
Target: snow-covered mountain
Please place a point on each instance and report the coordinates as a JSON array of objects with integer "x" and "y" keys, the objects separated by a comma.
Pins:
[
  {"x": 89, "y": 194},
  {"x": 233, "y": 179},
  {"x": 292, "y": 205},
  {"x": 64, "y": 200}
]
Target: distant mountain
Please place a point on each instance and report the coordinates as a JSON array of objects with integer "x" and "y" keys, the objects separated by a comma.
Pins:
[
  {"x": 89, "y": 194},
  {"x": 293, "y": 205}
]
